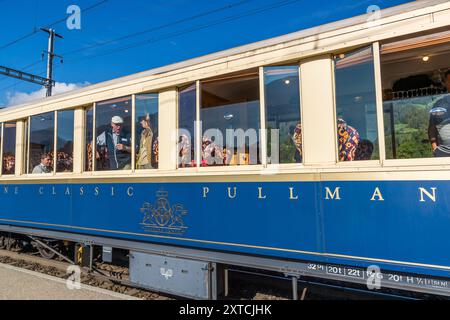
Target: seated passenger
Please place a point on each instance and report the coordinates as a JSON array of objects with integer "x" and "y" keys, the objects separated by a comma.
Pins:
[
  {"x": 364, "y": 150},
  {"x": 144, "y": 156},
  {"x": 212, "y": 153},
  {"x": 44, "y": 166},
  {"x": 155, "y": 158},
  {"x": 439, "y": 124},
  {"x": 297, "y": 139},
  {"x": 114, "y": 146},
  {"x": 185, "y": 152},
  {"x": 9, "y": 165},
  {"x": 348, "y": 140}
]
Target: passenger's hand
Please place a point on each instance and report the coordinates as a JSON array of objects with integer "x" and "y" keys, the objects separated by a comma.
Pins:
[{"x": 122, "y": 147}]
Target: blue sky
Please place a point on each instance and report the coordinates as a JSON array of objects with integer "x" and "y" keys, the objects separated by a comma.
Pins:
[{"x": 164, "y": 31}]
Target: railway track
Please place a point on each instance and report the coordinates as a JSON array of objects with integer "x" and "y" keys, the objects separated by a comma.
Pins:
[
  {"x": 105, "y": 277},
  {"x": 244, "y": 285}
]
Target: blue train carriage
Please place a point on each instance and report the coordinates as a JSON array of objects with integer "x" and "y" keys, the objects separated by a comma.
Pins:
[{"x": 319, "y": 153}]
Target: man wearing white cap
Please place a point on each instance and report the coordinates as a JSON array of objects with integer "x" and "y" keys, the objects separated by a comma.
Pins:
[{"x": 116, "y": 144}]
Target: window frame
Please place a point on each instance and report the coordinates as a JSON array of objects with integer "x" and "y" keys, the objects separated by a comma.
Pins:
[
  {"x": 134, "y": 138},
  {"x": 361, "y": 163},
  {"x": 199, "y": 130},
  {"x": 94, "y": 171},
  {"x": 26, "y": 170},
  {"x": 274, "y": 166},
  {"x": 112, "y": 173},
  {"x": 412, "y": 162},
  {"x": 2, "y": 128},
  {"x": 1, "y": 149},
  {"x": 56, "y": 146}
]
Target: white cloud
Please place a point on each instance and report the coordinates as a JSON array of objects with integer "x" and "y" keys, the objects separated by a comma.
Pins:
[{"x": 16, "y": 98}]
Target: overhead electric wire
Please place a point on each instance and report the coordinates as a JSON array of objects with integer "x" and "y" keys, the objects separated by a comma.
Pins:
[
  {"x": 178, "y": 33},
  {"x": 156, "y": 28},
  {"x": 36, "y": 30},
  {"x": 196, "y": 28},
  {"x": 203, "y": 14}
]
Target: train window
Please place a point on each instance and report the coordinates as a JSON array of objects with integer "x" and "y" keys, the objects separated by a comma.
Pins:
[
  {"x": 1, "y": 139},
  {"x": 41, "y": 143},
  {"x": 113, "y": 131},
  {"x": 146, "y": 131},
  {"x": 357, "y": 131},
  {"x": 230, "y": 115},
  {"x": 89, "y": 138},
  {"x": 282, "y": 101},
  {"x": 9, "y": 148},
  {"x": 187, "y": 114},
  {"x": 416, "y": 99},
  {"x": 64, "y": 141}
]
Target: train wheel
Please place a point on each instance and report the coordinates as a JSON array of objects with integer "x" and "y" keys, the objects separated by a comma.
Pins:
[{"x": 46, "y": 253}]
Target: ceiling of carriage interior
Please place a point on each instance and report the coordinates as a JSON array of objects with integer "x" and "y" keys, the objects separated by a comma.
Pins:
[{"x": 427, "y": 56}]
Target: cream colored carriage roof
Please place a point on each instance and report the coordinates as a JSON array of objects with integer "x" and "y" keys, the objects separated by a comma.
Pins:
[{"x": 409, "y": 7}]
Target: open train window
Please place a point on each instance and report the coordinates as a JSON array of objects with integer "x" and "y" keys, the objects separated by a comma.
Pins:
[
  {"x": 9, "y": 148},
  {"x": 230, "y": 116},
  {"x": 113, "y": 134},
  {"x": 357, "y": 131},
  {"x": 89, "y": 138},
  {"x": 146, "y": 126},
  {"x": 283, "y": 123},
  {"x": 187, "y": 115},
  {"x": 1, "y": 147},
  {"x": 64, "y": 141},
  {"x": 416, "y": 102},
  {"x": 41, "y": 143}
]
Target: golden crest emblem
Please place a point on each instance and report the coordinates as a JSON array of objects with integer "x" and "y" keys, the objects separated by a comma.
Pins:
[{"x": 162, "y": 217}]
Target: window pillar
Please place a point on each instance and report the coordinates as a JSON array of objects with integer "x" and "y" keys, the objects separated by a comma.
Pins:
[
  {"x": 379, "y": 100},
  {"x": 167, "y": 118},
  {"x": 20, "y": 148},
  {"x": 79, "y": 145},
  {"x": 317, "y": 100}
]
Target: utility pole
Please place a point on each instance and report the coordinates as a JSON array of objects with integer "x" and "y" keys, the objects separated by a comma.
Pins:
[
  {"x": 48, "y": 82},
  {"x": 50, "y": 55}
]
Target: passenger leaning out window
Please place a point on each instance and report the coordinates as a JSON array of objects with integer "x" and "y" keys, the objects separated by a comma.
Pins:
[{"x": 114, "y": 147}]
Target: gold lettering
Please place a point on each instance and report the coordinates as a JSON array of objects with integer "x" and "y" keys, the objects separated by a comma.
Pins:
[
  {"x": 130, "y": 191},
  {"x": 81, "y": 191},
  {"x": 260, "y": 196},
  {"x": 291, "y": 194},
  {"x": 41, "y": 190},
  {"x": 67, "y": 193},
  {"x": 377, "y": 193},
  {"x": 96, "y": 191},
  {"x": 229, "y": 193},
  {"x": 205, "y": 191},
  {"x": 333, "y": 195},
  {"x": 424, "y": 191}
]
